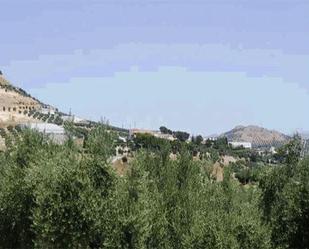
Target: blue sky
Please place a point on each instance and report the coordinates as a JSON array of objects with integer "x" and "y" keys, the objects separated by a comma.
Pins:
[{"x": 201, "y": 66}]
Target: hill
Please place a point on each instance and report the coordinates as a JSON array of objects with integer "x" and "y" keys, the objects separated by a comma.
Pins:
[
  {"x": 15, "y": 104},
  {"x": 17, "y": 107},
  {"x": 258, "y": 136}
]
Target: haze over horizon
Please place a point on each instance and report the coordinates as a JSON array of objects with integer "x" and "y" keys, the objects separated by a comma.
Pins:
[{"x": 199, "y": 66}]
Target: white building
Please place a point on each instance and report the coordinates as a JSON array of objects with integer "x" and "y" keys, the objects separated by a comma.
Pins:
[
  {"x": 165, "y": 136},
  {"x": 246, "y": 145},
  {"x": 211, "y": 138},
  {"x": 47, "y": 110},
  {"x": 272, "y": 150},
  {"x": 74, "y": 119},
  {"x": 55, "y": 132}
]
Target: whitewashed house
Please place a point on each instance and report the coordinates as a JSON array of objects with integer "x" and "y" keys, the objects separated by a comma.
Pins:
[
  {"x": 74, "y": 119},
  {"x": 246, "y": 145}
]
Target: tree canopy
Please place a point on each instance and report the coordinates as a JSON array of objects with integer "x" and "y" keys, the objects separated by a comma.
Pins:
[{"x": 59, "y": 196}]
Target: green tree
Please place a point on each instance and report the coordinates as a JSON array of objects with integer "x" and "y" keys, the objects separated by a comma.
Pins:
[
  {"x": 165, "y": 130},
  {"x": 181, "y": 136}
]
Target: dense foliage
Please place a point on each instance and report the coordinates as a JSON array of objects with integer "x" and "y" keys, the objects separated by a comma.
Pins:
[
  {"x": 62, "y": 196},
  {"x": 180, "y": 135}
]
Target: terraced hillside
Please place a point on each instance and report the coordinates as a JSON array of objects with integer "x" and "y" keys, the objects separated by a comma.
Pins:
[{"x": 15, "y": 104}]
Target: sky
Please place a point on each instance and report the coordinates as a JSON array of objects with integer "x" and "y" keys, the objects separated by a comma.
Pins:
[{"x": 202, "y": 66}]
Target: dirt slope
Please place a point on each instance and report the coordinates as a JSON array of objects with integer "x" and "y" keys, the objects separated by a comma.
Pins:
[{"x": 14, "y": 104}]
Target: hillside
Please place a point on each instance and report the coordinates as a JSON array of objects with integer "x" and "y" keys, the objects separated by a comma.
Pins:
[
  {"x": 15, "y": 104},
  {"x": 3, "y": 81},
  {"x": 258, "y": 136}
]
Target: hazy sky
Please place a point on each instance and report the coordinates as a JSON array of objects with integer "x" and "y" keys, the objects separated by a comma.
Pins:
[{"x": 203, "y": 66}]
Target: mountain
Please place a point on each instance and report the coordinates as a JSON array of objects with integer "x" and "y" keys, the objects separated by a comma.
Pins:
[{"x": 258, "y": 136}]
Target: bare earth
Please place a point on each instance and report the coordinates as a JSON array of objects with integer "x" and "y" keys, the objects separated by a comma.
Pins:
[{"x": 13, "y": 104}]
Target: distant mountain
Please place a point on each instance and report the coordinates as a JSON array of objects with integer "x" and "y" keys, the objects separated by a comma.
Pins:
[{"x": 258, "y": 136}]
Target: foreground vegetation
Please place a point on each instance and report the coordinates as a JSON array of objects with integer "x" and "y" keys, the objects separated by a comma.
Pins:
[{"x": 62, "y": 196}]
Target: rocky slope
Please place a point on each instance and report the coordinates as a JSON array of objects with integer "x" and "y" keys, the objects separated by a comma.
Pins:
[{"x": 258, "y": 136}]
